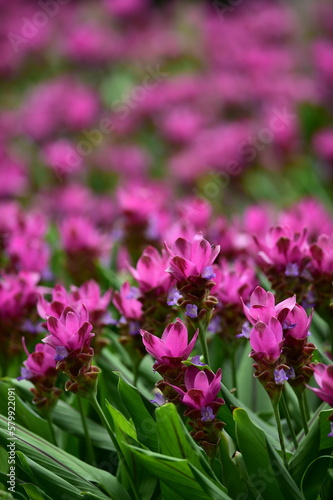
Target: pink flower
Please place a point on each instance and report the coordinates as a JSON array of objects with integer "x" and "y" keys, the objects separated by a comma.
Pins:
[
  {"x": 297, "y": 323},
  {"x": 126, "y": 302},
  {"x": 40, "y": 363},
  {"x": 173, "y": 346},
  {"x": 26, "y": 246},
  {"x": 266, "y": 339},
  {"x": 192, "y": 258},
  {"x": 79, "y": 234},
  {"x": 322, "y": 255},
  {"x": 70, "y": 332},
  {"x": 88, "y": 294},
  {"x": 18, "y": 295},
  {"x": 281, "y": 248},
  {"x": 234, "y": 282},
  {"x": 202, "y": 387},
  {"x": 262, "y": 307},
  {"x": 324, "y": 377},
  {"x": 150, "y": 271}
]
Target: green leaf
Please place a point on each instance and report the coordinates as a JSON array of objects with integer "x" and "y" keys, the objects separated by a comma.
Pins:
[
  {"x": 144, "y": 423},
  {"x": 249, "y": 390},
  {"x": 79, "y": 474},
  {"x": 259, "y": 457},
  {"x": 231, "y": 474},
  {"x": 325, "y": 428},
  {"x": 68, "y": 419},
  {"x": 24, "y": 415},
  {"x": 315, "y": 476},
  {"x": 233, "y": 402},
  {"x": 215, "y": 492},
  {"x": 310, "y": 447},
  {"x": 175, "y": 440},
  {"x": 34, "y": 492},
  {"x": 174, "y": 472},
  {"x": 126, "y": 434}
]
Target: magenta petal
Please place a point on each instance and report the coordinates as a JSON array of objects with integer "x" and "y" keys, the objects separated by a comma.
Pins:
[
  {"x": 53, "y": 325},
  {"x": 190, "y": 375},
  {"x": 155, "y": 346},
  {"x": 319, "y": 370},
  {"x": 327, "y": 379},
  {"x": 71, "y": 322},
  {"x": 328, "y": 398},
  {"x": 175, "y": 337},
  {"x": 194, "y": 398},
  {"x": 188, "y": 349},
  {"x": 182, "y": 248},
  {"x": 262, "y": 298},
  {"x": 201, "y": 381},
  {"x": 286, "y": 304},
  {"x": 214, "y": 387}
]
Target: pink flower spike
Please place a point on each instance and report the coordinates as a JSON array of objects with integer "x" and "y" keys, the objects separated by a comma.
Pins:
[
  {"x": 324, "y": 377},
  {"x": 262, "y": 307},
  {"x": 173, "y": 346},
  {"x": 297, "y": 323},
  {"x": 202, "y": 387},
  {"x": 266, "y": 339},
  {"x": 192, "y": 258}
]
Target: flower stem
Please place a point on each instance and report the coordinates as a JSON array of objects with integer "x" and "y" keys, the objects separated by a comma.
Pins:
[
  {"x": 106, "y": 425},
  {"x": 287, "y": 415},
  {"x": 90, "y": 449},
  {"x": 233, "y": 367},
  {"x": 203, "y": 342},
  {"x": 300, "y": 398},
  {"x": 275, "y": 405},
  {"x": 53, "y": 437}
]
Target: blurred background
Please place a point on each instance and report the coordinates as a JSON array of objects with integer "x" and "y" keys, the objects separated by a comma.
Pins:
[{"x": 227, "y": 101}]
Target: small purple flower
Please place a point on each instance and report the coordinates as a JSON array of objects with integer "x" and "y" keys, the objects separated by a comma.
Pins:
[
  {"x": 288, "y": 326},
  {"x": 196, "y": 361},
  {"x": 290, "y": 373},
  {"x": 309, "y": 300},
  {"x": 134, "y": 293},
  {"x": 173, "y": 297},
  {"x": 26, "y": 374},
  {"x": 292, "y": 270},
  {"x": 61, "y": 353},
  {"x": 191, "y": 310},
  {"x": 208, "y": 273},
  {"x": 159, "y": 399},
  {"x": 281, "y": 376},
  {"x": 215, "y": 325},
  {"x": 33, "y": 328},
  {"x": 134, "y": 327},
  {"x": 330, "y": 435},
  {"x": 207, "y": 414},
  {"x": 246, "y": 331}
]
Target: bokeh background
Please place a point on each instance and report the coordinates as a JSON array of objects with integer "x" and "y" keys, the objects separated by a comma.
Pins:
[{"x": 231, "y": 102}]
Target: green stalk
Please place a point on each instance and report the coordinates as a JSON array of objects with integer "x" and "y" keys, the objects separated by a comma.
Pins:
[
  {"x": 275, "y": 405},
  {"x": 106, "y": 425},
  {"x": 300, "y": 399},
  {"x": 233, "y": 367},
  {"x": 90, "y": 449},
  {"x": 203, "y": 342},
  {"x": 287, "y": 415}
]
